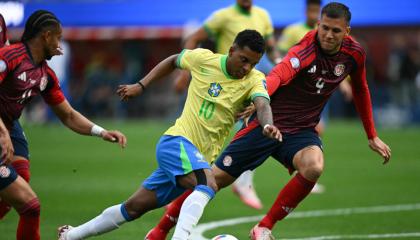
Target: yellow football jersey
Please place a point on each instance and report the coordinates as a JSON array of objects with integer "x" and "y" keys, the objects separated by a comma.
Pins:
[
  {"x": 223, "y": 25},
  {"x": 213, "y": 99},
  {"x": 292, "y": 35}
]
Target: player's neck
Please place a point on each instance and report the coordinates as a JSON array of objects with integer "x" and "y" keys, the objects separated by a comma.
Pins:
[{"x": 36, "y": 52}]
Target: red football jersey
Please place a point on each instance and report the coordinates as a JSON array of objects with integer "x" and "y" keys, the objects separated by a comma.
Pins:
[
  {"x": 302, "y": 83},
  {"x": 21, "y": 79}
]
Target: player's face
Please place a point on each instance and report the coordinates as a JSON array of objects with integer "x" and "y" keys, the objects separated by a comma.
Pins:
[
  {"x": 241, "y": 61},
  {"x": 52, "y": 42},
  {"x": 331, "y": 32},
  {"x": 312, "y": 14},
  {"x": 245, "y": 4}
]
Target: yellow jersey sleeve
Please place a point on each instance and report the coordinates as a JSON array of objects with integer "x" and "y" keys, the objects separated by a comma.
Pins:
[
  {"x": 191, "y": 59},
  {"x": 268, "y": 25},
  {"x": 259, "y": 88},
  {"x": 215, "y": 23}
]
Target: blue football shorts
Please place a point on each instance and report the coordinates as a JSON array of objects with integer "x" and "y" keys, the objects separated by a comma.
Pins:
[{"x": 176, "y": 156}]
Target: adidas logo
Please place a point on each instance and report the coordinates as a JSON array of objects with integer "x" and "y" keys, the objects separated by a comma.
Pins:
[
  {"x": 22, "y": 76},
  {"x": 287, "y": 209},
  {"x": 313, "y": 69}
]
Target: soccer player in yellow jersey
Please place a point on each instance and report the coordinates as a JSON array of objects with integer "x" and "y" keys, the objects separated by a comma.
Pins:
[
  {"x": 293, "y": 33},
  {"x": 220, "y": 86},
  {"x": 222, "y": 27}
]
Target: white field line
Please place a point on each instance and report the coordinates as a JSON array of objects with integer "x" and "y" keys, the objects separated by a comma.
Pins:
[
  {"x": 367, "y": 236},
  {"x": 201, "y": 228}
]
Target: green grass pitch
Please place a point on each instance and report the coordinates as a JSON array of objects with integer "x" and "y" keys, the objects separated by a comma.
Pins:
[{"x": 77, "y": 177}]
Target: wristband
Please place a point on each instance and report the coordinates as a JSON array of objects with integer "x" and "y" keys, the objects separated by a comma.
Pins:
[
  {"x": 141, "y": 85},
  {"x": 266, "y": 125},
  {"x": 96, "y": 131}
]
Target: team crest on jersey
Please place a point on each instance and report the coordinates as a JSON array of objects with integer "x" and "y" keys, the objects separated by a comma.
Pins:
[
  {"x": 227, "y": 161},
  {"x": 215, "y": 89},
  {"x": 295, "y": 62},
  {"x": 339, "y": 69},
  {"x": 4, "y": 172},
  {"x": 43, "y": 83},
  {"x": 2, "y": 66}
]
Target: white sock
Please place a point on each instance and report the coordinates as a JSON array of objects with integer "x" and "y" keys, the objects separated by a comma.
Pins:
[
  {"x": 190, "y": 214},
  {"x": 110, "y": 219},
  {"x": 246, "y": 179}
]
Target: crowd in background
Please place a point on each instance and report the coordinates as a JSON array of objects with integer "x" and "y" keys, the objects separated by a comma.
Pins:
[{"x": 94, "y": 69}]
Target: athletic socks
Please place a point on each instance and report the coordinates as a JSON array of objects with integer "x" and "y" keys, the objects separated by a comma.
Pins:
[
  {"x": 170, "y": 218},
  {"x": 28, "y": 228},
  {"x": 191, "y": 211},
  {"x": 110, "y": 219},
  {"x": 287, "y": 200}
]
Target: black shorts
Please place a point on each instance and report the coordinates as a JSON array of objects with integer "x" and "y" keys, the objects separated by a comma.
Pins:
[{"x": 250, "y": 150}]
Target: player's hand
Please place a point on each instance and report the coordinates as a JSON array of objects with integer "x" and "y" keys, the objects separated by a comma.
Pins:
[
  {"x": 129, "y": 91},
  {"x": 246, "y": 114},
  {"x": 7, "y": 150},
  {"x": 272, "y": 131},
  {"x": 114, "y": 136},
  {"x": 381, "y": 148}
]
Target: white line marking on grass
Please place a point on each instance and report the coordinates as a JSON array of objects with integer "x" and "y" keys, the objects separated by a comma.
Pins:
[
  {"x": 201, "y": 228},
  {"x": 368, "y": 236}
]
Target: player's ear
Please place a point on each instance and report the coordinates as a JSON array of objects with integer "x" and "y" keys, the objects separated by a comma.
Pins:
[
  {"x": 348, "y": 30},
  {"x": 231, "y": 50}
]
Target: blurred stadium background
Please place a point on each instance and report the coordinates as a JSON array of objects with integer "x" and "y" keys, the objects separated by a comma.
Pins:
[{"x": 112, "y": 42}]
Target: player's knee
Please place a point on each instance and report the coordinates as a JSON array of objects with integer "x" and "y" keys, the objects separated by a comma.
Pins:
[
  {"x": 312, "y": 171},
  {"x": 30, "y": 209}
]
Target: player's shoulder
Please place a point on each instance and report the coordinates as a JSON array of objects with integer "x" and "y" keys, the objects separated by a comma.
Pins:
[
  {"x": 260, "y": 11},
  {"x": 352, "y": 47},
  {"x": 201, "y": 52},
  {"x": 306, "y": 45},
  {"x": 12, "y": 52},
  {"x": 255, "y": 75}
]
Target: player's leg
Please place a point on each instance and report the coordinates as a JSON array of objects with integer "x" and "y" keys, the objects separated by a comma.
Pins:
[
  {"x": 15, "y": 191},
  {"x": 244, "y": 188},
  {"x": 20, "y": 161},
  {"x": 244, "y": 153},
  {"x": 301, "y": 151},
  {"x": 150, "y": 196}
]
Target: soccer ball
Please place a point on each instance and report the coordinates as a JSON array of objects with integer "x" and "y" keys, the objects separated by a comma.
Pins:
[{"x": 224, "y": 237}]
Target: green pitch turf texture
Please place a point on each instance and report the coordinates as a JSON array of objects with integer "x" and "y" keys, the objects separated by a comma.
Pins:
[{"x": 77, "y": 177}]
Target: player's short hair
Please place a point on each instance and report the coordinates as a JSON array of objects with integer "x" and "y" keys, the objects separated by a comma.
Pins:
[
  {"x": 37, "y": 22},
  {"x": 316, "y": 2},
  {"x": 252, "y": 39},
  {"x": 336, "y": 10}
]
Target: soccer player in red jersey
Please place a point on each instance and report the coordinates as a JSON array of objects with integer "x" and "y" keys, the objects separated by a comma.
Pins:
[
  {"x": 24, "y": 73},
  {"x": 299, "y": 87}
]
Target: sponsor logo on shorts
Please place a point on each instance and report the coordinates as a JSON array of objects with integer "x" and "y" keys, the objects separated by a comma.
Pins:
[
  {"x": 227, "y": 161},
  {"x": 4, "y": 172}
]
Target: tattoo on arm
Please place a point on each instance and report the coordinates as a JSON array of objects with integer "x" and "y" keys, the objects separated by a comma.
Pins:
[{"x": 264, "y": 114}]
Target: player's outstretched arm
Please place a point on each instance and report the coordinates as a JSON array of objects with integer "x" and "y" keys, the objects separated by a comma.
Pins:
[
  {"x": 6, "y": 146},
  {"x": 163, "y": 69},
  {"x": 377, "y": 145},
  {"x": 80, "y": 124},
  {"x": 265, "y": 117}
]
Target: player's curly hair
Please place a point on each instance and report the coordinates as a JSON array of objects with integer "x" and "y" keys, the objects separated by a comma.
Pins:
[
  {"x": 252, "y": 39},
  {"x": 337, "y": 10},
  {"x": 37, "y": 22}
]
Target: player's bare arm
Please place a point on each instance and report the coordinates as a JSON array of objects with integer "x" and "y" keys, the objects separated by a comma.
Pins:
[
  {"x": 163, "y": 69},
  {"x": 6, "y": 146},
  {"x": 265, "y": 117},
  {"x": 80, "y": 124}
]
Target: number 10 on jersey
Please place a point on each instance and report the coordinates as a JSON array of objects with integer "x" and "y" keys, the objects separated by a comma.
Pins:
[{"x": 206, "y": 109}]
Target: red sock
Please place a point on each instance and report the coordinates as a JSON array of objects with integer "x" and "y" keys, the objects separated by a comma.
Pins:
[
  {"x": 170, "y": 218},
  {"x": 28, "y": 228},
  {"x": 287, "y": 200},
  {"x": 22, "y": 168}
]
